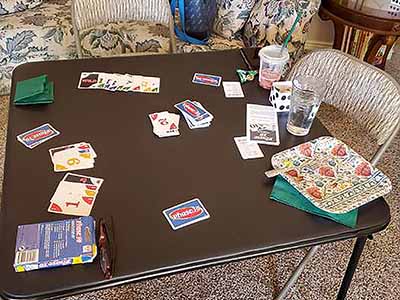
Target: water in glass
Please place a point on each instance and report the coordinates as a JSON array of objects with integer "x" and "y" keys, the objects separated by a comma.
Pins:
[{"x": 304, "y": 104}]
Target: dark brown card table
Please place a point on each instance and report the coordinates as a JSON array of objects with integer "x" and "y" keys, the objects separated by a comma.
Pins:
[{"x": 145, "y": 174}]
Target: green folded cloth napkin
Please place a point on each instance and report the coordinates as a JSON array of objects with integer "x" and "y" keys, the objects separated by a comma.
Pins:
[
  {"x": 285, "y": 193},
  {"x": 37, "y": 90}
]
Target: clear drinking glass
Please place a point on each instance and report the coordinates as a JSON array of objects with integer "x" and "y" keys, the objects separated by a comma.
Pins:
[{"x": 304, "y": 104}]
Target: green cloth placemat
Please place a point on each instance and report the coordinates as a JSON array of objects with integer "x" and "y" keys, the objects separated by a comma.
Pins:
[
  {"x": 36, "y": 90},
  {"x": 285, "y": 193}
]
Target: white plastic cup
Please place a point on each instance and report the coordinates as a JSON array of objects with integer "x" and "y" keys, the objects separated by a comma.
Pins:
[{"x": 272, "y": 62}]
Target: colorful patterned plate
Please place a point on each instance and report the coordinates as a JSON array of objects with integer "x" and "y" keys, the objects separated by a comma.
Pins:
[{"x": 331, "y": 175}]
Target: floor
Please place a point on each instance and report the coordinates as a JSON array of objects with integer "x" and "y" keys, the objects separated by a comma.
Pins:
[{"x": 377, "y": 276}]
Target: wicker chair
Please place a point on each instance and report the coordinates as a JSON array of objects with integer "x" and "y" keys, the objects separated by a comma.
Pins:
[
  {"x": 363, "y": 92},
  {"x": 113, "y": 27}
]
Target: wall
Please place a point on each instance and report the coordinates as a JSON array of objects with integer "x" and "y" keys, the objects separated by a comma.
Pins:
[{"x": 321, "y": 34}]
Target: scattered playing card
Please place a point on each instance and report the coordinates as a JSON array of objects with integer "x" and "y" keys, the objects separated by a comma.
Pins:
[
  {"x": 233, "y": 89},
  {"x": 37, "y": 136},
  {"x": 186, "y": 213},
  {"x": 248, "y": 150},
  {"x": 119, "y": 82},
  {"x": 262, "y": 124},
  {"x": 150, "y": 85},
  {"x": 207, "y": 79},
  {"x": 75, "y": 195},
  {"x": 165, "y": 124},
  {"x": 73, "y": 157}
]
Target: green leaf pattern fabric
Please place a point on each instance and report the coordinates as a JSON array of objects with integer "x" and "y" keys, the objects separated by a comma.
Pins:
[
  {"x": 123, "y": 38},
  {"x": 42, "y": 33},
  {"x": 231, "y": 17},
  {"x": 14, "y": 6},
  {"x": 271, "y": 20}
]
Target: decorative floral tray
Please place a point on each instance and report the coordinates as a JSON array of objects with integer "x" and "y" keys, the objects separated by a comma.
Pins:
[{"x": 331, "y": 175}]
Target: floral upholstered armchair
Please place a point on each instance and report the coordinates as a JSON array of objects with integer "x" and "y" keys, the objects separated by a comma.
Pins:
[
  {"x": 33, "y": 30},
  {"x": 256, "y": 23},
  {"x": 37, "y": 30}
]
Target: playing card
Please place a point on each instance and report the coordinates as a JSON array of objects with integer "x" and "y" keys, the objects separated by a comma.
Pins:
[
  {"x": 186, "y": 213},
  {"x": 207, "y": 79},
  {"x": 134, "y": 83},
  {"x": 85, "y": 149},
  {"x": 165, "y": 124},
  {"x": 103, "y": 78},
  {"x": 262, "y": 124},
  {"x": 75, "y": 195},
  {"x": 150, "y": 85},
  {"x": 248, "y": 150},
  {"x": 233, "y": 89},
  {"x": 71, "y": 159},
  {"x": 198, "y": 125},
  {"x": 37, "y": 136},
  {"x": 89, "y": 80},
  {"x": 195, "y": 113}
]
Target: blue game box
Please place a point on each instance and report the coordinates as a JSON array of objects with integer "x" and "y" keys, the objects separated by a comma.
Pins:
[{"x": 55, "y": 244}]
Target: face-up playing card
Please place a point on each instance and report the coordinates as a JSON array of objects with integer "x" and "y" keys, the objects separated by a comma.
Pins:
[
  {"x": 186, "y": 213},
  {"x": 207, "y": 79},
  {"x": 75, "y": 195},
  {"x": 37, "y": 136},
  {"x": 165, "y": 124},
  {"x": 73, "y": 157},
  {"x": 150, "y": 85}
]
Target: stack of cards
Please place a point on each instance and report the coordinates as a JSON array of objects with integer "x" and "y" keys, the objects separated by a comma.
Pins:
[
  {"x": 119, "y": 82},
  {"x": 195, "y": 114},
  {"x": 165, "y": 124},
  {"x": 37, "y": 136},
  {"x": 75, "y": 195},
  {"x": 73, "y": 157}
]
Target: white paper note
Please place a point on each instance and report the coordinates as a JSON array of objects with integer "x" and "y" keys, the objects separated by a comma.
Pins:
[
  {"x": 262, "y": 124},
  {"x": 248, "y": 150},
  {"x": 233, "y": 89}
]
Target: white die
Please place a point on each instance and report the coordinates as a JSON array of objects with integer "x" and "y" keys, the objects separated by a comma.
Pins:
[{"x": 280, "y": 95}]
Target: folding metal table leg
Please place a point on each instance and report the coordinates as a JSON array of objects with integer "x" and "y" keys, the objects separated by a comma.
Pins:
[
  {"x": 295, "y": 275},
  {"x": 351, "y": 267}
]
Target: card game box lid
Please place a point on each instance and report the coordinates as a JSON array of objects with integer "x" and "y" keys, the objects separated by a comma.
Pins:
[{"x": 55, "y": 244}]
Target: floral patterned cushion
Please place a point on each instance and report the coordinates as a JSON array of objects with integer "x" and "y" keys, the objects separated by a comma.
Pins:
[
  {"x": 42, "y": 33},
  {"x": 123, "y": 38},
  {"x": 12, "y": 6},
  {"x": 271, "y": 20},
  {"x": 215, "y": 43},
  {"x": 231, "y": 16}
]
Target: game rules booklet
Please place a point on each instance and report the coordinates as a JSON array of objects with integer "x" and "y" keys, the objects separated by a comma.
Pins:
[{"x": 55, "y": 244}]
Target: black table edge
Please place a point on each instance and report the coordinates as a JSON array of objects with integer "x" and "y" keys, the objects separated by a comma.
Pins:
[{"x": 196, "y": 265}]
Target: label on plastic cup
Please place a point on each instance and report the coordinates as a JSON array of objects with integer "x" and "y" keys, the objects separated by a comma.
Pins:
[{"x": 272, "y": 62}]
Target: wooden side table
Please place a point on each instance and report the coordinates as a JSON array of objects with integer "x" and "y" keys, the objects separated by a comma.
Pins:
[{"x": 379, "y": 27}]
